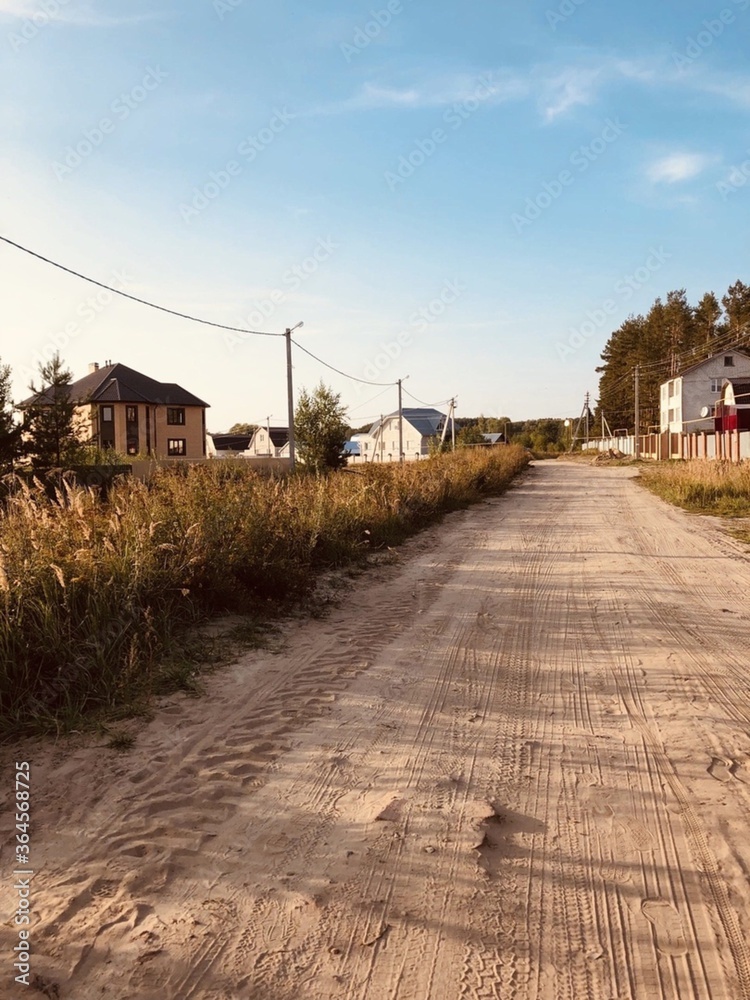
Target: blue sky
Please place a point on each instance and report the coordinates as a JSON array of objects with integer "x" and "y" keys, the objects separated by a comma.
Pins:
[{"x": 473, "y": 195}]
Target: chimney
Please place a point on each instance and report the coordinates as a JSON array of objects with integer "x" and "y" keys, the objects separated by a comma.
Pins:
[{"x": 93, "y": 367}]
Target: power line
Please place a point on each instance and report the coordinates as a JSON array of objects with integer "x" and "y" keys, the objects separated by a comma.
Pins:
[
  {"x": 422, "y": 402},
  {"x": 367, "y": 403},
  {"x": 134, "y": 298},
  {"x": 354, "y": 378}
]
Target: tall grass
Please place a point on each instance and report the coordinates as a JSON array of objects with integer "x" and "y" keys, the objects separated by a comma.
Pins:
[
  {"x": 94, "y": 594},
  {"x": 707, "y": 487}
]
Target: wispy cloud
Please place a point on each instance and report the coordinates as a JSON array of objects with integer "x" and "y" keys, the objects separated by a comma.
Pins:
[
  {"x": 502, "y": 86},
  {"x": 735, "y": 88},
  {"x": 569, "y": 89},
  {"x": 678, "y": 167},
  {"x": 83, "y": 15}
]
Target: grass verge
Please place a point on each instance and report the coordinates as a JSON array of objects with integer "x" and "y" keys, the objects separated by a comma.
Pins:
[
  {"x": 719, "y": 488},
  {"x": 100, "y": 599}
]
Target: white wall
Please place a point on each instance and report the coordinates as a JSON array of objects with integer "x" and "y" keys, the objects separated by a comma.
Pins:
[
  {"x": 383, "y": 445},
  {"x": 686, "y": 396}
]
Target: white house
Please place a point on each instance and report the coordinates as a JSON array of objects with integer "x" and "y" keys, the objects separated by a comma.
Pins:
[
  {"x": 258, "y": 444},
  {"x": 420, "y": 427},
  {"x": 683, "y": 397},
  {"x": 269, "y": 442}
]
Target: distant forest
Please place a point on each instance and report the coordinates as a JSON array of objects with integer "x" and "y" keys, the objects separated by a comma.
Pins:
[{"x": 671, "y": 337}]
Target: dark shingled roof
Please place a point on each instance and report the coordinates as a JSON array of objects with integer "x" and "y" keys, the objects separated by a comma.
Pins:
[
  {"x": 232, "y": 442},
  {"x": 741, "y": 390},
  {"x": 279, "y": 436},
  {"x": 120, "y": 384}
]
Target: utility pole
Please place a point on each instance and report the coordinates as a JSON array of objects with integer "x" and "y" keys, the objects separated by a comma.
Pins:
[
  {"x": 587, "y": 411},
  {"x": 268, "y": 432},
  {"x": 400, "y": 425},
  {"x": 290, "y": 390},
  {"x": 401, "y": 456},
  {"x": 453, "y": 423},
  {"x": 637, "y": 450}
]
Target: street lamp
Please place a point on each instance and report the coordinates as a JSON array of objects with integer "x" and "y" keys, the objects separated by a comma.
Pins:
[{"x": 290, "y": 388}]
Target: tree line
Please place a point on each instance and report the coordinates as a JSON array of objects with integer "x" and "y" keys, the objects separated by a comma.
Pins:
[{"x": 670, "y": 337}]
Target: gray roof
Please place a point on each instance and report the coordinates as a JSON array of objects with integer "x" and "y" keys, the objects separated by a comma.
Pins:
[
  {"x": 719, "y": 354},
  {"x": 120, "y": 384},
  {"x": 425, "y": 420}
]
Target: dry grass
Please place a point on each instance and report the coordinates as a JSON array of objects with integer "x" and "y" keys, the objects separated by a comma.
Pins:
[
  {"x": 705, "y": 487},
  {"x": 96, "y": 597}
]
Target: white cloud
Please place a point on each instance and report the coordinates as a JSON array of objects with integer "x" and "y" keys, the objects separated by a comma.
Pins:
[
  {"x": 678, "y": 167},
  {"x": 82, "y": 15},
  {"x": 492, "y": 87},
  {"x": 569, "y": 89}
]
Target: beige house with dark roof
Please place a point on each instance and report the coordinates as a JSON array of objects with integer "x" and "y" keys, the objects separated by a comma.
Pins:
[{"x": 133, "y": 414}]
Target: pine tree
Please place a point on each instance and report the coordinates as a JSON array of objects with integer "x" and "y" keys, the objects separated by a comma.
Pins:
[
  {"x": 708, "y": 322},
  {"x": 737, "y": 305},
  {"x": 50, "y": 421},
  {"x": 10, "y": 431}
]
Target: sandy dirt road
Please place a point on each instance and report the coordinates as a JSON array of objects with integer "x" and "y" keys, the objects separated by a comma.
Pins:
[{"x": 513, "y": 766}]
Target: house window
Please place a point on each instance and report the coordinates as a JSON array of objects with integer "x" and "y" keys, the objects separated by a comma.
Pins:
[
  {"x": 729, "y": 361},
  {"x": 716, "y": 384},
  {"x": 176, "y": 446},
  {"x": 176, "y": 415},
  {"x": 671, "y": 416},
  {"x": 131, "y": 414},
  {"x": 367, "y": 445},
  {"x": 107, "y": 427}
]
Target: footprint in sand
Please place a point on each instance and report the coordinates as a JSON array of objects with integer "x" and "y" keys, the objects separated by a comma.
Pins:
[
  {"x": 721, "y": 769},
  {"x": 640, "y": 836},
  {"x": 667, "y": 924}
]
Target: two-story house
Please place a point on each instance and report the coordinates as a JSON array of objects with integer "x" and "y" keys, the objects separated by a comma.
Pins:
[
  {"x": 421, "y": 425},
  {"x": 698, "y": 387},
  {"x": 119, "y": 408}
]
